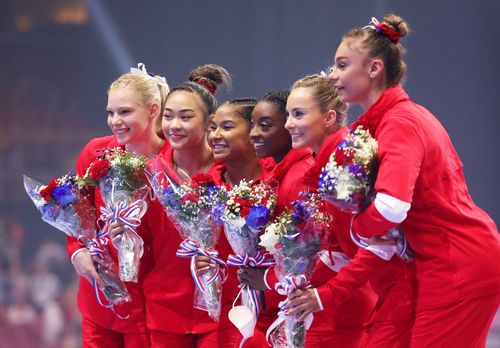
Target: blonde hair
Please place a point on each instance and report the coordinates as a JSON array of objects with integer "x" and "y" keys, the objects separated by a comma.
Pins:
[
  {"x": 380, "y": 45},
  {"x": 325, "y": 95},
  {"x": 149, "y": 89}
]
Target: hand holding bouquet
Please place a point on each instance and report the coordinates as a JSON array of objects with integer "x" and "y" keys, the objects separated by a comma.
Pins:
[
  {"x": 295, "y": 239},
  {"x": 348, "y": 180},
  {"x": 188, "y": 203},
  {"x": 245, "y": 210},
  {"x": 66, "y": 204},
  {"x": 123, "y": 186}
]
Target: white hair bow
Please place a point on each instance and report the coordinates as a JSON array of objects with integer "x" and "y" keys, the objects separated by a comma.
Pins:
[
  {"x": 372, "y": 24},
  {"x": 141, "y": 69}
]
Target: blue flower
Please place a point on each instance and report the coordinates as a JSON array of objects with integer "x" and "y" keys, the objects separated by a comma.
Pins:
[
  {"x": 217, "y": 212},
  {"x": 212, "y": 191},
  {"x": 301, "y": 212},
  {"x": 64, "y": 194},
  {"x": 170, "y": 199},
  {"x": 258, "y": 217},
  {"x": 355, "y": 169}
]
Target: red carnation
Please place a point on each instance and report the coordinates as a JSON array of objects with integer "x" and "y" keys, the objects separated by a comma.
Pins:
[
  {"x": 46, "y": 193},
  {"x": 343, "y": 156},
  {"x": 340, "y": 157},
  {"x": 98, "y": 169},
  {"x": 202, "y": 179},
  {"x": 245, "y": 206},
  {"x": 190, "y": 197}
]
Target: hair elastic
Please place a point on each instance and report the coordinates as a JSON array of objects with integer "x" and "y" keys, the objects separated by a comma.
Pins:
[{"x": 207, "y": 85}]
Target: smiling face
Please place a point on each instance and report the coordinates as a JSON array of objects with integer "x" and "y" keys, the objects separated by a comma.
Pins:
[
  {"x": 184, "y": 122},
  {"x": 129, "y": 119},
  {"x": 306, "y": 122},
  {"x": 229, "y": 135},
  {"x": 269, "y": 136},
  {"x": 351, "y": 72}
]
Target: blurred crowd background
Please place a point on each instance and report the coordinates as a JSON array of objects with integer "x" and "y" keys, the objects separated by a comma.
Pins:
[{"x": 57, "y": 58}]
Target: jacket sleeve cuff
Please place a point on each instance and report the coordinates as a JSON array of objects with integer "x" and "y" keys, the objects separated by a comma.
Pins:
[
  {"x": 318, "y": 299},
  {"x": 324, "y": 296},
  {"x": 270, "y": 278},
  {"x": 75, "y": 253},
  {"x": 265, "y": 278},
  {"x": 371, "y": 223},
  {"x": 72, "y": 245}
]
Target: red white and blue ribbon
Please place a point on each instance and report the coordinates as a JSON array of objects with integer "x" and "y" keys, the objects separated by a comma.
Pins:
[
  {"x": 383, "y": 251},
  {"x": 290, "y": 283},
  {"x": 259, "y": 259},
  {"x": 285, "y": 287},
  {"x": 127, "y": 214},
  {"x": 97, "y": 247},
  {"x": 190, "y": 248}
]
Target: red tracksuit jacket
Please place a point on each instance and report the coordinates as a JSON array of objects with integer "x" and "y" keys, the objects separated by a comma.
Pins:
[
  {"x": 456, "y": 244},
  {"x": 289, "y": 174},
  {"x": 169, "y": 287},
  {"x": 87, "y": 303},
  {"x": 393, "y": 281},
  {"x": 354, "y": 313}
]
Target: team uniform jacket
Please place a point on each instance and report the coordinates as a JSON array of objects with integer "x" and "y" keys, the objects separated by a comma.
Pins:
[
  {"x": 87, "y": 303},
  {"x": 392, "y": 281},
  {"x": 421, "y": 186},
  {"x": 169, "y": 287}
]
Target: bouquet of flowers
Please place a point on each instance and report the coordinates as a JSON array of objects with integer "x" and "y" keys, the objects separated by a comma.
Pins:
[
  {"x": 295, "y": 239},
  {"x": 348, "y": 180},
  {"x": 66, "y": 204},
  {"x": 188, "y": 203},
  {"x": 245, "y": 210},
  {"x": 123, "y": 186}
]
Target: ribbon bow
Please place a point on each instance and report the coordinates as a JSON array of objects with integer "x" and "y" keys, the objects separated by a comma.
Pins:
[
  {"x": 190, "y": 248},
  {"x": 290, "y": 283},
  {"x": 384, "y": 29},
  {"x": 127, "y": 214},
  {"x": 141, "y": 69},
  {"x": 285, "y": 287},
  {"x": 96, "y": 247},
  {"x": 259, "y": 259}
]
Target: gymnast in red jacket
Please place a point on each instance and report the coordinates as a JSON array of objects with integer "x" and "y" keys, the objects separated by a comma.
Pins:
[
  {"x": 135, "y": 104},
  {"x": 229, "y": 139},
  {"x": 271, "y": 138},
  {"x": 169, "y": 287},
  {"x": 421, "y": 186},
  {"x": 317, "y": 119}
]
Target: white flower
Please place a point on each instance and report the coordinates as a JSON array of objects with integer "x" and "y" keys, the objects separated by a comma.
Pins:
[
  {"x": 269, "y": 239},
  {"x": 135, "y": 162}
]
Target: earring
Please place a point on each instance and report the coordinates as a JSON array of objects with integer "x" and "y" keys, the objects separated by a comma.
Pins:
[{"x": 372, "y": 75}]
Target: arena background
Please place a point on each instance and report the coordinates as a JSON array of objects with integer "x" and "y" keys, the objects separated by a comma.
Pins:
[{"x": 57, "y": 58}]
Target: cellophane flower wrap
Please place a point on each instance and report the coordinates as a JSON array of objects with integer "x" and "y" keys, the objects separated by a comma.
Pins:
[
  {"x": 123, "y": 186},
  {"x": 66, "y": 204},
  {"x": 295, "y": 239},
  {"x": 188, "y": 203},
  {"x": 245, "y": 211},
  {"x": 348, "y": 180}
]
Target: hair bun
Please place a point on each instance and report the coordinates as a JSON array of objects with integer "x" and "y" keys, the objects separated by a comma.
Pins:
[
  {"x": 397, "y": 23},
  {"x": 211, "y": 74}
]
